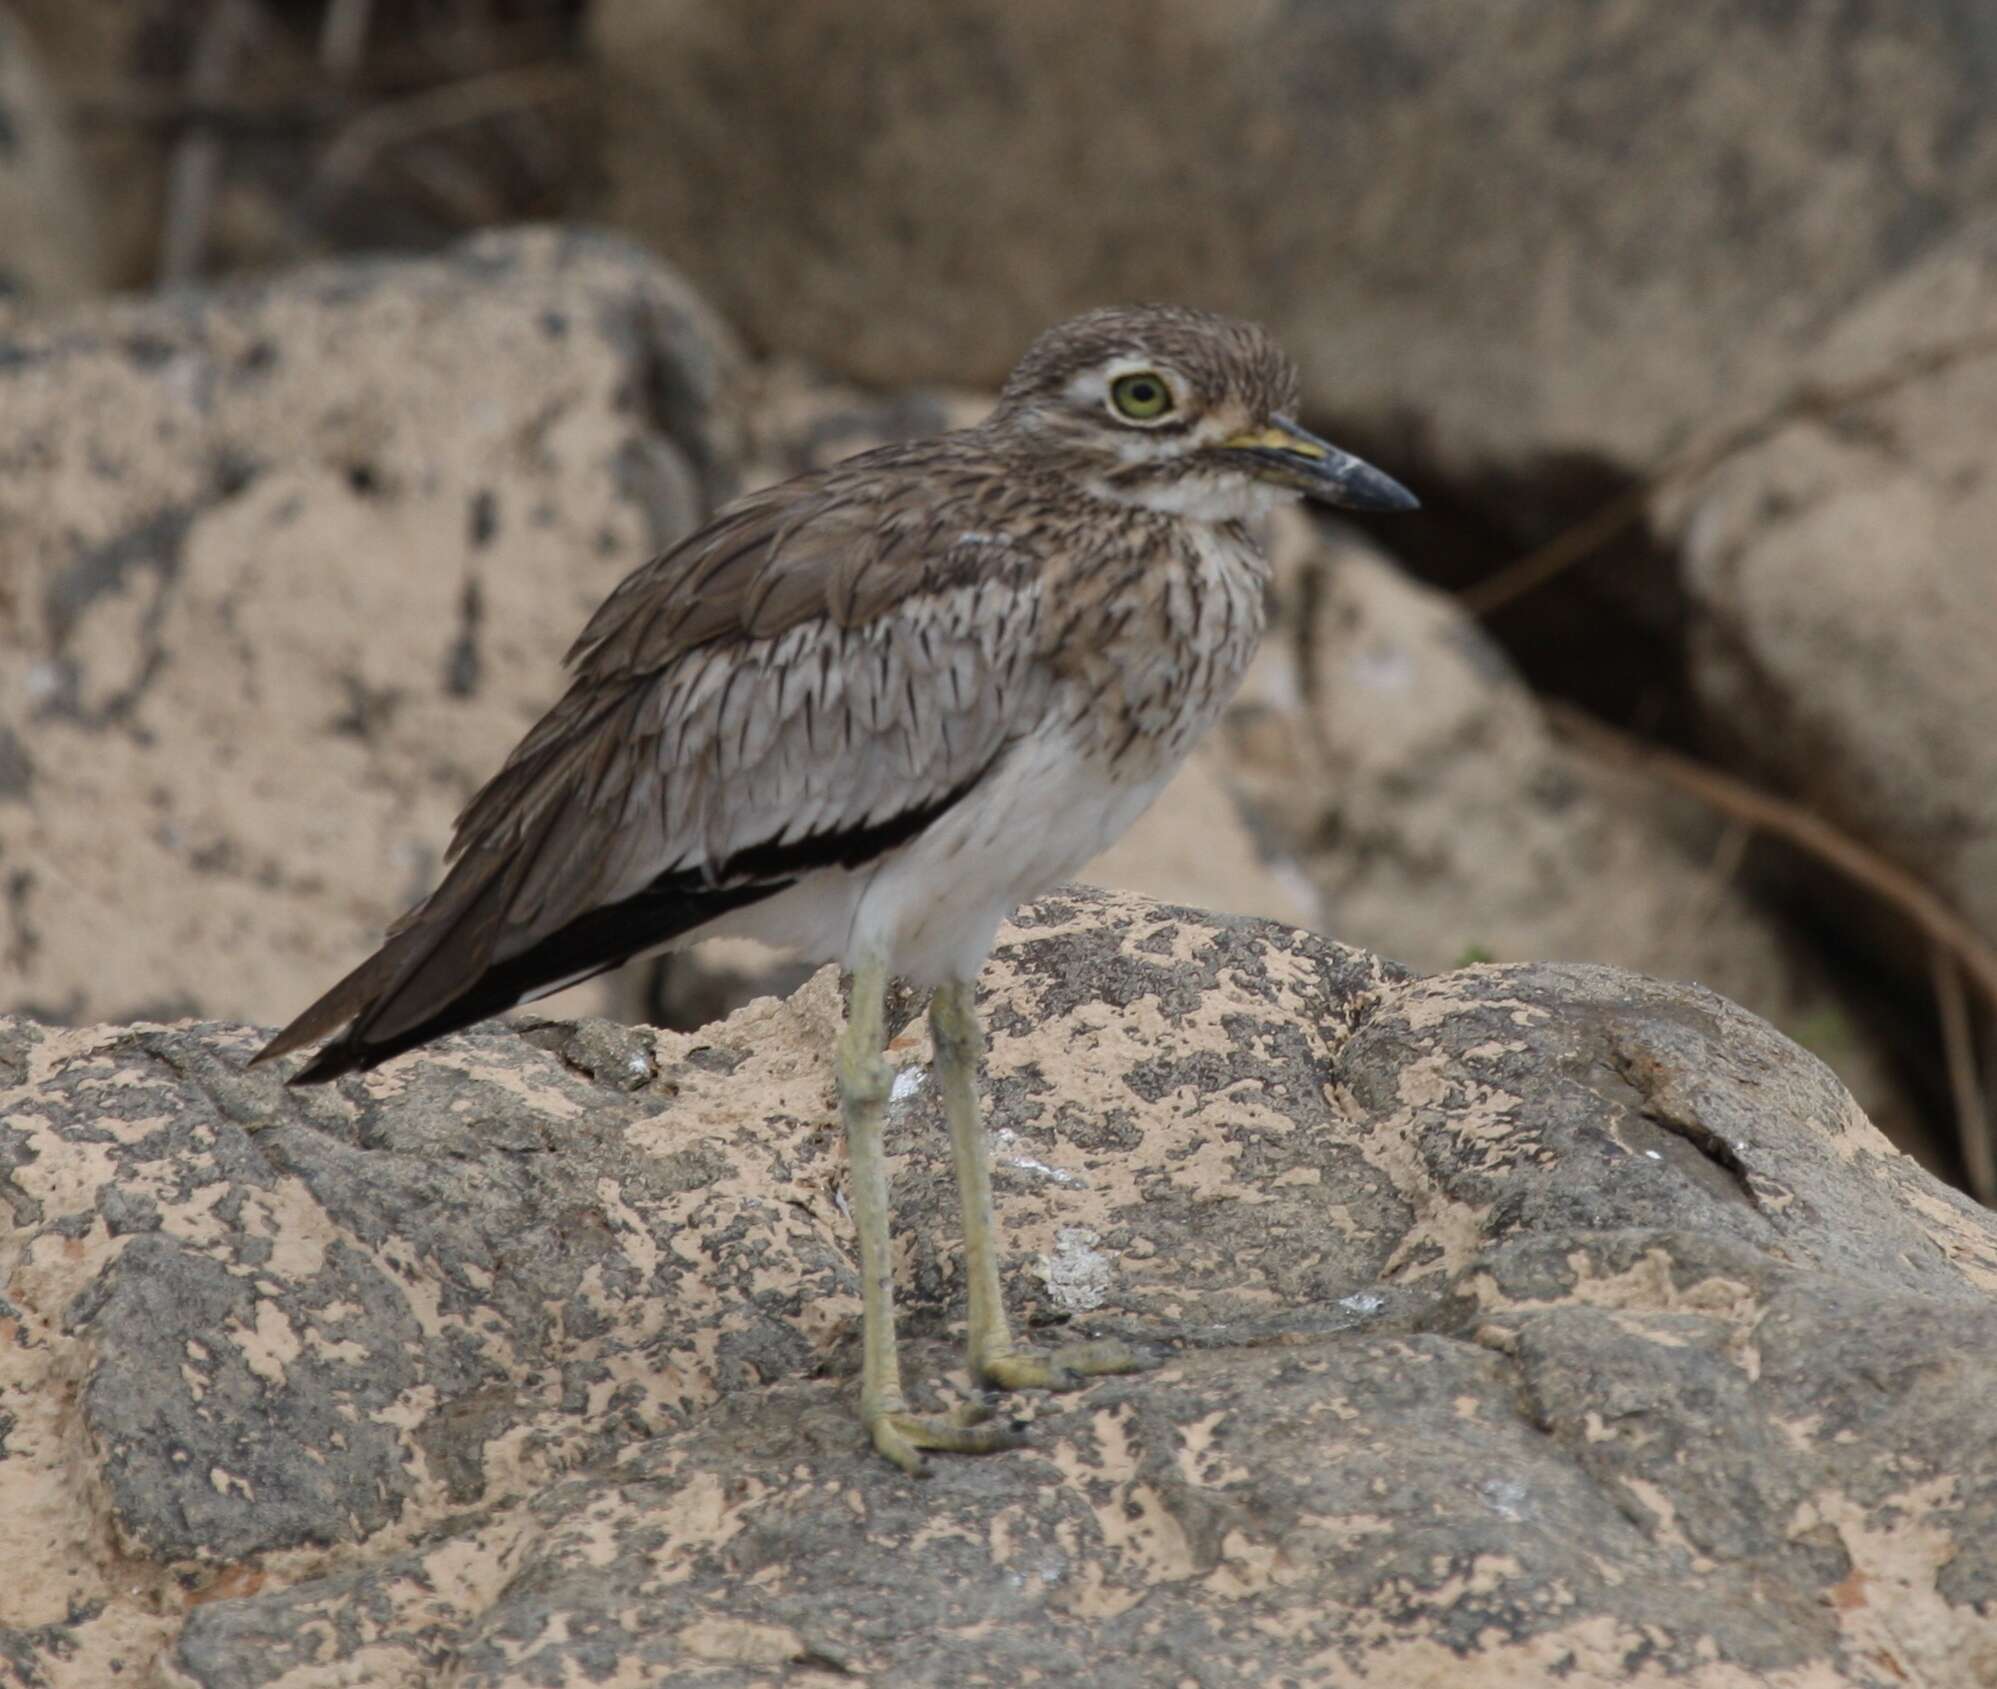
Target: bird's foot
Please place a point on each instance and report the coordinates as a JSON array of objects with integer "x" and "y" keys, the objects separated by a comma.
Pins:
[
  {"x": 1065, "y": 1368},
  {"x": 968, "y": 1428}
]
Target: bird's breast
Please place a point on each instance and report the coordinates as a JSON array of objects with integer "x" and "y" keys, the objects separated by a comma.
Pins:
[{"x": 1165, "y": 641}]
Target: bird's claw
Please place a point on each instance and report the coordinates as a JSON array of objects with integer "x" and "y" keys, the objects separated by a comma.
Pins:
[{"x": 968, "y": 1428}]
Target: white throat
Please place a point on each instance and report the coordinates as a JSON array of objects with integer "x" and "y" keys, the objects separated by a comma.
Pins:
[{"x": 1218, "y": 497}]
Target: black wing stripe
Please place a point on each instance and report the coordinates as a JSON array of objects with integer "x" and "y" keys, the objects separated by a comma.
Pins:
[
  {"x": 589, "y": 945},
  {"x": 599, "y": 939},
  {"x": 850, "y": 847}
]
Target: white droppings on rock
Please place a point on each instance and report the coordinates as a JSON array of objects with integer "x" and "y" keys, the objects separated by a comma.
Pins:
[
  {"x": 1076, "y": 1273},
  {"x": 907, "y": 1082},
  {"x": 1362, "y": 1302},
  {"x": 1008, "y": 1156}
]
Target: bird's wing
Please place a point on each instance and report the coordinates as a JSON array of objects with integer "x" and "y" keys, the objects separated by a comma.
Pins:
[{"x": 808, "y": 681}]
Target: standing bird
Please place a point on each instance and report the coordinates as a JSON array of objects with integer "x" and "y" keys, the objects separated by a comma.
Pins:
[{"x": 865, "y": 714}]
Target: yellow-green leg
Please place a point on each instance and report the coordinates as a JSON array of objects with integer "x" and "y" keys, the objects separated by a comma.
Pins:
[
  {"x": 995, "y": 1358},
  {"x": 863, "y": 1095}
]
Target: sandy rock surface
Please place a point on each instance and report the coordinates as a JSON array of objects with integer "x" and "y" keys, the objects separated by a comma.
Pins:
[
  {"x": 291, "y": 566},
  {"x": 1513, "y": 1323},
  {"x": 1844, "y": 593},
  {"x": 1534, "y": 226}
]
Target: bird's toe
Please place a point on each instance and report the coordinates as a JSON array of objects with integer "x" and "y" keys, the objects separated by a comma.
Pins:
[{"x": 1066, "y": 1368}]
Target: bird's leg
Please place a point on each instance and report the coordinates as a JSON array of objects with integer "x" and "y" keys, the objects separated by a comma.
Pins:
[
  {"x": 994, "y": 1357},
  {"x": 864, "y": 1079}
]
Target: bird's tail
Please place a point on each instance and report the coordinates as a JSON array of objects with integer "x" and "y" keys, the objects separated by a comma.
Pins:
[{"x": 425, "y": 980}]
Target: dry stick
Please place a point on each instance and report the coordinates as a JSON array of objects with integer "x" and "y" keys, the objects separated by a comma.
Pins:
[
  {"x": 277, "y": 106},
  {"x": 1957, "y": 943},
  {"x": 1576, "y": 544},
  {"x": 1727, "y": 858},
  {"x": 195, "y": 174},
  {"x": 448, "y": 106},
  {"x": 343, "y": 33},
  {"x": 1979, "y": 1150},
  {"x": 283, "y": 91}
]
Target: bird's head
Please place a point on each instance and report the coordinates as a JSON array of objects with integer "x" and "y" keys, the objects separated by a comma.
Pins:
[{"x": 1178, "y": 410}]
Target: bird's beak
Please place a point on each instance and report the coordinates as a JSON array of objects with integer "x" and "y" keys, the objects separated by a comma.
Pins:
[{"x": 1292, "y": 456}]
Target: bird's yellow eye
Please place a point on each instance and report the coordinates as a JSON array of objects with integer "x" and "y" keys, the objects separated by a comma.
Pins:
[{"x": 1141, "y": 396}]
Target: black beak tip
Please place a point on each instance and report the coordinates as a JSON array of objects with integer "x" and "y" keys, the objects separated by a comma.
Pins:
[{"x": 1368, "y": 489}]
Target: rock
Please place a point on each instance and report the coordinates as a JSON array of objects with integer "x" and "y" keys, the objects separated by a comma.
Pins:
[
  {"x": 293, "y": 564},
  {"x": 1516, "y": 1323},
  {"x": 50, "y": 245},
  {"x": 1386, "y": 747},
  {"x": 1535, "y": 229},
  {"x": 1844, "y": 610}
]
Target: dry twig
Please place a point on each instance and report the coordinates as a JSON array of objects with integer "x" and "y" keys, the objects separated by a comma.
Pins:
[
  {"x": 1972, "y": 1120},
  {"x": 343, "y": 34},
  {"x": 472, "y": 99},
  {"x": 195, "y": 175},
  {"x": 1957, "y": 948}
]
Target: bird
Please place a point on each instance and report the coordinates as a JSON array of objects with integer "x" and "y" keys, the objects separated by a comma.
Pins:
[{"x": 864, "y": 714}]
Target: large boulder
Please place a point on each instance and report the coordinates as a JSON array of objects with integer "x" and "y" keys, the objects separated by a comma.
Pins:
[
  {"x": 1515, "y": 1324},
  {"x": 1532, "y": 228},
  {"x": 1844, "y": 589},
  {"x": 291, "y": 565}
]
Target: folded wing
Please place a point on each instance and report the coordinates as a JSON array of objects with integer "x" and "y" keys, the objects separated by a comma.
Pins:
[{"x": 806, "y": 683}]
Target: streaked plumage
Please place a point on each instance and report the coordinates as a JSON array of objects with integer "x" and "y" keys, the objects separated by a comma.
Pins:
[{"x": 867, "y": 712}]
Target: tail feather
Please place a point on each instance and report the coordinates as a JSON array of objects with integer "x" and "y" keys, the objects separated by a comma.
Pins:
[
  {"x": 423, "y": 983},
  {"x": 339, "y": 1005}
]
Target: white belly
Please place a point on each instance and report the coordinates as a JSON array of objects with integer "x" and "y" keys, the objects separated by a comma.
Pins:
[{"x": 933, "y": 906}]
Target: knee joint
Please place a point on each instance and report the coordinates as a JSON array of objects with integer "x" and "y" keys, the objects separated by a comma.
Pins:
[{"x": 865, "y": 1077}]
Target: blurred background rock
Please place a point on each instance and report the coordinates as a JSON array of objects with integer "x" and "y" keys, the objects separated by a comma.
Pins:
[{"x": 1682, "y": 318}]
